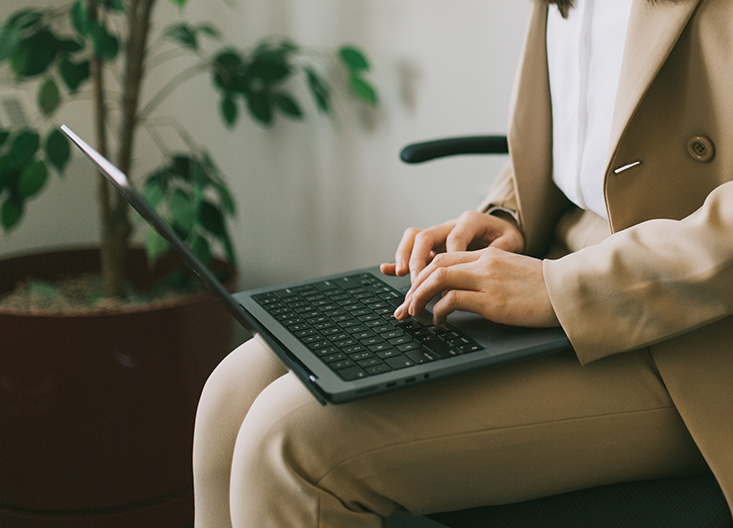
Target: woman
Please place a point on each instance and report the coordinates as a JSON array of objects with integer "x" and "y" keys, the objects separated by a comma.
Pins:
[{"x": 613, "y": 219}]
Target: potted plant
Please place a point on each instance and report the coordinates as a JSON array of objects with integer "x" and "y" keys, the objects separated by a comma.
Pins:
[{"x": 67, "y": 55}]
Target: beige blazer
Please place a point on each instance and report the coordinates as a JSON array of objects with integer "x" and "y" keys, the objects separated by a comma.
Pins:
[{"x": 664, "y": 279}]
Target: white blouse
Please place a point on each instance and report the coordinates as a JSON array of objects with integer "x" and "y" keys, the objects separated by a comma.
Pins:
[{"x": 584, "y": 55}]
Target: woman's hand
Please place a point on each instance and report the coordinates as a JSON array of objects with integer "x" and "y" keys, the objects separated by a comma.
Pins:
[
  {"x": 501, "y": 286},
  {"x": 473, "y": 230}
]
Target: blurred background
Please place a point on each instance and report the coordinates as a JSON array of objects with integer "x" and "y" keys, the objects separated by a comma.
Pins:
[{"x": 328, "y": 193}]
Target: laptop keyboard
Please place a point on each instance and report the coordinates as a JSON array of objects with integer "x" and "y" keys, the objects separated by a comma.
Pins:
[{"x": 348, "y": 323}]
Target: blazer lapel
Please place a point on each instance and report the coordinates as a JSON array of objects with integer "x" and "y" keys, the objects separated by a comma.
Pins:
[{"x": 653, "y": 31}]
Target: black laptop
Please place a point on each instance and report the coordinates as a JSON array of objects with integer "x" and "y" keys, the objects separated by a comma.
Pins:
[{"x": 338, "y": 334}]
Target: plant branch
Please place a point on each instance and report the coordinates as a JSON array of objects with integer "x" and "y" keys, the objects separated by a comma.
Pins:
[{"x": 169, "y": 88}]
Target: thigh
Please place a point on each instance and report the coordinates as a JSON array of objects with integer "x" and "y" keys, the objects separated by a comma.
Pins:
[{"x": 506, "y": 434}]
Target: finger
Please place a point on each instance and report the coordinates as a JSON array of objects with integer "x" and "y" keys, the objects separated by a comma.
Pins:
[
  {"x": 404, "y": 250},
  {"x": 441, "y": 261},
  {"x": 388, "y": 268},
  {"x": 470, "y": 225},
  {"x": 469, "y": 301},
  {"x": 427, "y": 242},
  {"x": 458, "y": 277}
]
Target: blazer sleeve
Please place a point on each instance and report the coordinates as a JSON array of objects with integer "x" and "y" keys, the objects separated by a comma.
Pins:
[
  {"x": 503, "y": 192},
  {"x": 647, "y": 283}
]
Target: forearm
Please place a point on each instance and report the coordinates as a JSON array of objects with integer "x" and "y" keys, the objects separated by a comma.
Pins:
[{"x": 647, "y": 283}]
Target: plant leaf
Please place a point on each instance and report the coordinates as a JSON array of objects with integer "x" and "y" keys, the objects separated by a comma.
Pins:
[
  {"x": 114, "y": 5},
  {"x": 74, "y": 74},
  {"x": 211, "y": 219},
  {"x": 33, "y": 179},
  {"x": 8, "y": 172},
  {"x": 79, "y": 14},
  {"x": 287, "y": 105},
  {"x": 179, "y": 3},
  {"x": 155, "y": 187},
  {"x": 4, "y": 135},
  {"x": 184, "y": 35},
  {"x": 58, "y": 150},
  {"x": 182, "y": 211},
  {"x": 260, "y": 107},
  {"x": 208, "y": 30},
  {"x": 25, "y": 18},
  {"x": 106, "y": 45},
  {"x": 155, "y": 245},
  {"x": 10, "y": 213},
  {"x": 229, "y": 111},
  {"x": 200, "y": 247},
  {"x": 9, "y": 41},
  {"x": 364, "y": 90},
  {"x": 24, "y": 148},
  {"x": 353, "y": 58},
  {"x": 34, "y": 54},
  {"x": 226, "y": 201},
  {"x": 319, "y": 89},
  {"x": 49, "y": 97}
]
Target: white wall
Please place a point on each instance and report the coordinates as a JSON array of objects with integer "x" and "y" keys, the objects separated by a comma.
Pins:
[{"x": 330, "y": 194}]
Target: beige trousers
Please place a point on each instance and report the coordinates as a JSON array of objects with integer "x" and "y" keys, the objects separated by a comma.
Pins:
[{"x": 266, "y": 454}]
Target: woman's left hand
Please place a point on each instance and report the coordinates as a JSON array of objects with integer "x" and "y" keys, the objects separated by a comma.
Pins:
[{"x": 503, "y": 287}]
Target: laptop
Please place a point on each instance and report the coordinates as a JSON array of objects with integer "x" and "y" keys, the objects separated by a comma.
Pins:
[{"x": 337, "y": 333}]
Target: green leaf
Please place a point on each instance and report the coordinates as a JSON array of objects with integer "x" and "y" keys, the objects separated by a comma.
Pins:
[
  {"x": 49, "y": 97},
  {"x": 9, "y": 41},
  {"x": 58, "y": 149},
  {"x": 200, "y": 247},
  {"x": 74, "y": 74},
  {"x": 155, "y": 245},
  {"x": 260, "y": 107},
  {"x": 4, "y": 135},
  {"x": 228, "y": 69},
  {"x": 182, "y": 211},
  {"x": 229, "y": 111},
  {"x": 25, "y": 18},
  {"x": 24, "y": 148},
  {"x": 208, "y": 30},
  {"x": 270, "y": 66},
  {"x": 70, "y": 46},
  {"x": 34, "y": 54},
  {"x": 287, "y": 105},
  {"x": 33, "y": 179},
  {"x": 353, "y": 58},
  {"x": 319, "y": 89},
  {"x": 155, "y": 187},
  {"x": 79, "y": 15},
  {"x": 114, "y": 5},
  {"x": 179, "y": 3},
  {"x": 10, "y": 213},
  {"x": 212, "y": 219},
  {"x": 364, "y": 90},
  {"x": 226, "y": 201},
  {"x": 8, "y": 172},
  {"x": 106, "y": 45},
  {"x": 181, "y": 167},
  {"x": 184, "y": 35}
]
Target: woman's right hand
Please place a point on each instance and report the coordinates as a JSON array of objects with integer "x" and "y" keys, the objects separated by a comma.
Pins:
[{"x": 472, "y": 230}]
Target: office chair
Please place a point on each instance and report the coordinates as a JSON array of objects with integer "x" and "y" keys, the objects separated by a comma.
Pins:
[{"x": 691, "y": 502}]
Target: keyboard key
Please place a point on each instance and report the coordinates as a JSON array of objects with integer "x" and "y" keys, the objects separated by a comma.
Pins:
[
  {"x": 399, "y": 362},
  {"x": 352, "y": 373},
  {"x": 441, "y": 349},
  {"x": 378, "y": 369}
]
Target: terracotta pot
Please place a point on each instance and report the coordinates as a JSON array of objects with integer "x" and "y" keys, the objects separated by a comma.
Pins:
[{"x": 97, "y": 411}]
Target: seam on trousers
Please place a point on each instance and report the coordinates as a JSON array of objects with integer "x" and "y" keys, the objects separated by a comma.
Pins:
[{"x": 487, "y": 430}]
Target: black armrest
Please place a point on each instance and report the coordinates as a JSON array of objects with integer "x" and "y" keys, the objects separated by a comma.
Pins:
[{"x": 440, "y": 148}]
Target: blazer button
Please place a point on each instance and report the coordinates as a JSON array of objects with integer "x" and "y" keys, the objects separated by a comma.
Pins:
[{"x": 701, "y": 148}]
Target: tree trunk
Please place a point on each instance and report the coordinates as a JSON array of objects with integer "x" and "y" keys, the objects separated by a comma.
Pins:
[{"x": 116, "y": 225}]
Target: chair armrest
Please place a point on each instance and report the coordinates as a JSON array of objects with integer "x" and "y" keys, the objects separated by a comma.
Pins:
[{"x": 440, "y": 148}]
